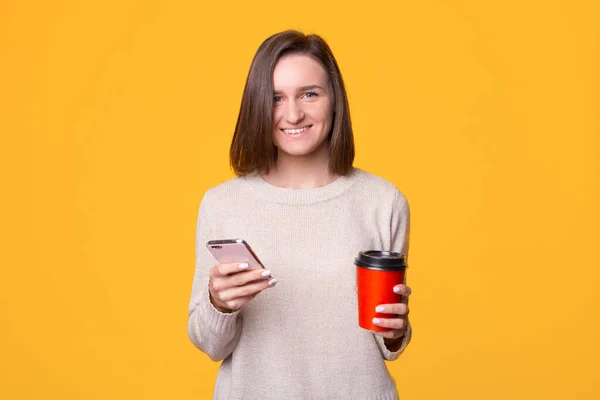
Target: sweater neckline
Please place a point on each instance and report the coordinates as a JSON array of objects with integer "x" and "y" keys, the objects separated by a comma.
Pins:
[{"x": 276, "y": 194}]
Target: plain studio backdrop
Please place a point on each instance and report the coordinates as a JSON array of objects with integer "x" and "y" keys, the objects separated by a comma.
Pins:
[{"x": 116, "y": 116}]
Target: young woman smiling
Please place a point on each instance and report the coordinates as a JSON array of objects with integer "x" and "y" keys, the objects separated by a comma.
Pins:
[{"x": 307, "y": 212}]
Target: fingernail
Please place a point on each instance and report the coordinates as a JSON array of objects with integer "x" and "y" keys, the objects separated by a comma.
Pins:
[
  {"x": 379, "y": 309},
  {"x": 397, "y": 290},
  {"x": 266, "y": 273},
  {"x": 273, "y": 282},
  {"x": 243, "y": 265},
  {"x": 376, "y": 321}
]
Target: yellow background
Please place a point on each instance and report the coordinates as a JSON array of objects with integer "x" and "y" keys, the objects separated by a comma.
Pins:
[{"x": 116, "y": 116}]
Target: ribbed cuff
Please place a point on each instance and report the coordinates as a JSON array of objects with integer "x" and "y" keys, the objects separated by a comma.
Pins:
[
  {"x": 393, "y": 355},
  {"x": 385, "y": 396},
  {"x": 218, "y": 321}
]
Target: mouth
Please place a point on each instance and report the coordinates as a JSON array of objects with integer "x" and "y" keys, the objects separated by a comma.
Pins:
[{"x": 296, "y": 132}]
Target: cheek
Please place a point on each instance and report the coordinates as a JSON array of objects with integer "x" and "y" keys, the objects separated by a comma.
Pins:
[
  {"x": 328, "y": 118},
  {"x": 276, "y": 116},
  {"x": 323, "y": 115}
]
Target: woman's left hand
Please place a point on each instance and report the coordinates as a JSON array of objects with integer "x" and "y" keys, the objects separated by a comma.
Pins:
[{"x": 398, "y": 320}]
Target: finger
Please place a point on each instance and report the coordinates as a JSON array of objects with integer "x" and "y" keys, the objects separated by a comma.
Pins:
[
  {"x": 222, "y": 283},
  {"x": 242, "y": 278},
  {"x": 398, "y": 309},
  {"x": 225, "y": 269},
  {"x": 402, "y": 290},
  {"x": 249, "y": 289},
  {"x": 393, "y": 334},
  {"x": 392, "y": 323}
]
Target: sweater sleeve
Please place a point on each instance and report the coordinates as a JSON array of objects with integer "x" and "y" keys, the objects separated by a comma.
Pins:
[
  {"x": 213, "y": 332},
  {"x": 399, "y": 234}
]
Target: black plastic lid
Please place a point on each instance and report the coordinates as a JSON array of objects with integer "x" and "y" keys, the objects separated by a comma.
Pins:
[{"x": 375, "y": 259}]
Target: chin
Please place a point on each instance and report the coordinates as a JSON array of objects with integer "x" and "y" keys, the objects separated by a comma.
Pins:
[{"x": 296, "y": 153}]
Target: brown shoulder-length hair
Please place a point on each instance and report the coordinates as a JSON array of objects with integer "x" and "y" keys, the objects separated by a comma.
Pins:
[{"x": 252, "y": 148}]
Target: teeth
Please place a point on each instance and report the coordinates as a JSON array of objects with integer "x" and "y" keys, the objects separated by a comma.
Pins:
[{"x": 295, "y": 131}]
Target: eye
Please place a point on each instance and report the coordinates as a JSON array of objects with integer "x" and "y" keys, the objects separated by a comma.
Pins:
[
  {"x": 276, "y": 99},
  {"x": 311, "y": 95}
]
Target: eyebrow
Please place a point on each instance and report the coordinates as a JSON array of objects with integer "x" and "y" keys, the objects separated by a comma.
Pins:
[{"x": 302, "y": 88}]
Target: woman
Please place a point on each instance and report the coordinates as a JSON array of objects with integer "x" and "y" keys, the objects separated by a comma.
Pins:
[{"x": 307, "y": 213}]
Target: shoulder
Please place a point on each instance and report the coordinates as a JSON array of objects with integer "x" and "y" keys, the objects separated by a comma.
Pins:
[
  {"x": 377, "y": 187},
  {"x": 224, "y": 190},
  {"x": 231, "y": 185}
]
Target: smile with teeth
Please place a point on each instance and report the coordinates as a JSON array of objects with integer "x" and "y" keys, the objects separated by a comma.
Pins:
[{"x": 296, "y": 131}]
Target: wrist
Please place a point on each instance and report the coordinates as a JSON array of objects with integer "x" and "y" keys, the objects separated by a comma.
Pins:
[
  {"x": 393, "y": 340},
  {"x": 224, "y": 310},
  {"x": 394, "y": 344}
]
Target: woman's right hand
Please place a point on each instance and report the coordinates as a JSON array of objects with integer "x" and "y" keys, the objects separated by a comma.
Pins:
[{"x": 232, "y": 285}]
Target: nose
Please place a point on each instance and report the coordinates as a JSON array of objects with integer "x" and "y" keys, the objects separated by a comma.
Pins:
[{"x": 293, "y": 113}]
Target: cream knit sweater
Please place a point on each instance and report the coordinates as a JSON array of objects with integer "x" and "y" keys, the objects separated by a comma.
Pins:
[{"x": 299, "y": 339}]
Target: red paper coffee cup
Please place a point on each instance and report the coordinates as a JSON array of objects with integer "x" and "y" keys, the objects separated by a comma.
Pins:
[{"x": 377, "y": 272}]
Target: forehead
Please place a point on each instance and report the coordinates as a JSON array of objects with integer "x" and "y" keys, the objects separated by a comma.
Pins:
[{"x": 298, "y": 70}]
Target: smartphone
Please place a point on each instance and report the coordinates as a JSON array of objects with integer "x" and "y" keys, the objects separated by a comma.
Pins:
[{"x": 234, "y": 250}]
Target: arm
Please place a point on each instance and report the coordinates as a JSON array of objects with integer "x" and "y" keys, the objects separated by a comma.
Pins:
[
  {"x": 214, "y": 332},
  {"x": 399, "y": 242}
]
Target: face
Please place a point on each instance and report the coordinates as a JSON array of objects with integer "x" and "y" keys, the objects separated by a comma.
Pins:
[{"x": 302, "y": 106}]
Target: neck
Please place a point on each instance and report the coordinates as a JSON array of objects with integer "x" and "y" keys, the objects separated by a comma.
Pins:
[{"x": 302, "y": 172}]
